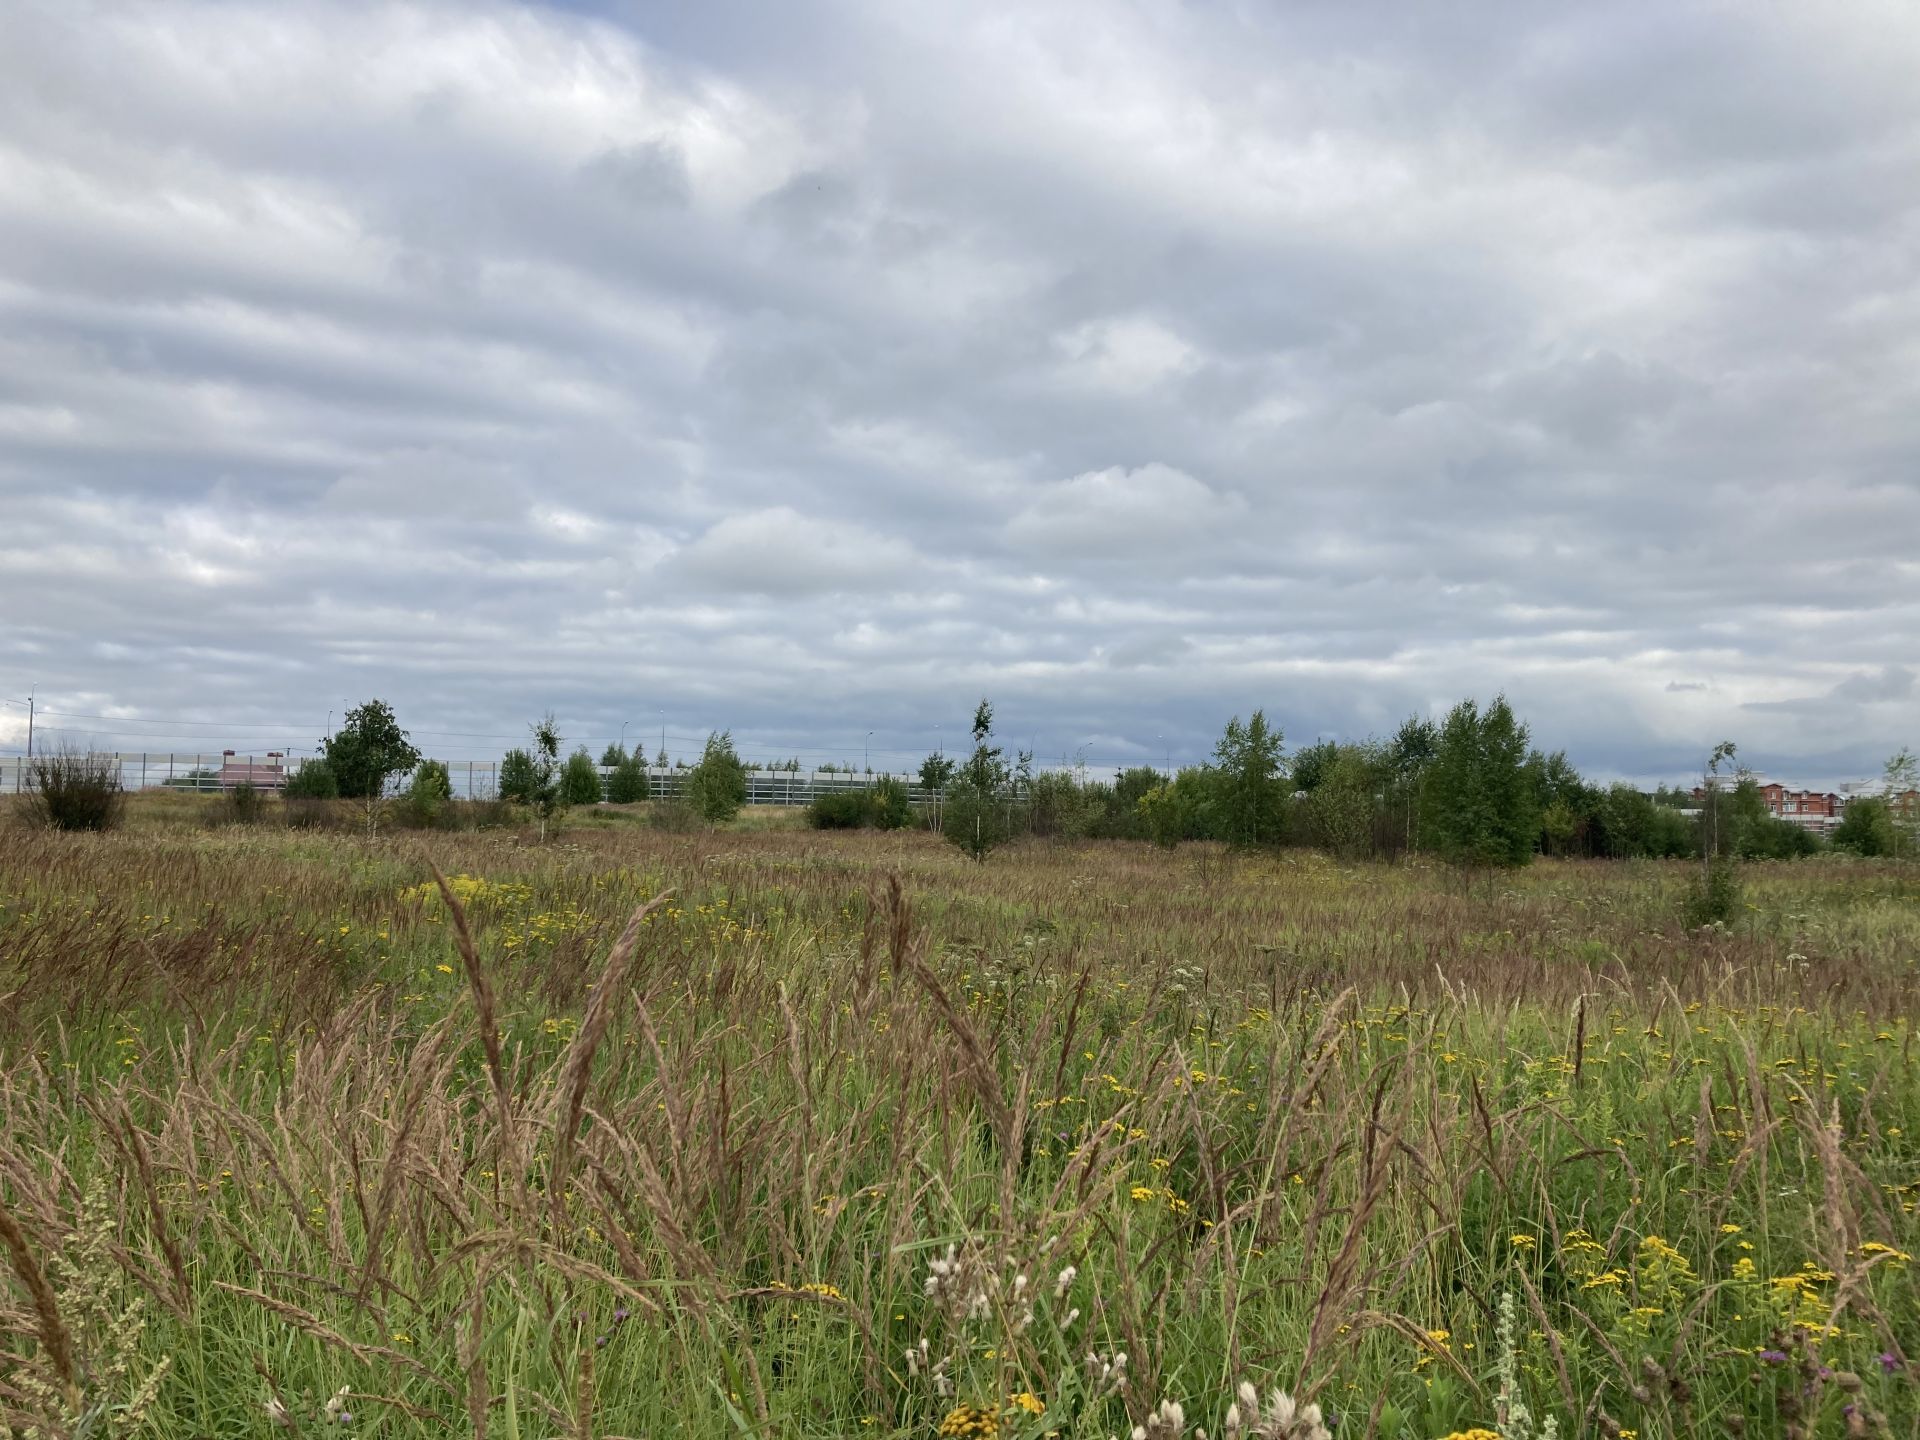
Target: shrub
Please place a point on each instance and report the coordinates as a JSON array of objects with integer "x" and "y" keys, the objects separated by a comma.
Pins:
[
  {"x": 71, "y": 790},
  {"x": 890, "y": 803},
  {"x": 672, "y": 815},
  {"x": 716, "y": 788},
  {"x": 242, "y": 805},
  {"x": 580, "y": 780},
  {"x": 428, "y": 796},
  {"x": 840, "y": 810},
  {"x": 519, "y": 777},
  {"x": 1713, "y": 897},
  {"x": 628, "y": 783},
  {"x": 976, "y": 820},
  {"x": 1867, "y": 828},
  {"x": 314, "y": 780}
]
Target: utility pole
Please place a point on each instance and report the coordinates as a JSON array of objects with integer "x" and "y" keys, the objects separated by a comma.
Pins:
[{"x": 29, "y": 725}]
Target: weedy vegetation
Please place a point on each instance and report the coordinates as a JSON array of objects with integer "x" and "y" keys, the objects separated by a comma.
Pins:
[{"x": 752, "y": 1132}]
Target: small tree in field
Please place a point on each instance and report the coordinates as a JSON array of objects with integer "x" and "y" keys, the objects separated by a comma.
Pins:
[
  {"x": 532, "y": 777},
  {"x": 312, "y": 781},
  {"x": 428, "y": 794},
  {"x": 1248, "y": 793},
  {"x": 1902, "y": 775},
  {"x": 628, "y": 783},
  {"x": 1482, "y": 802},
  {"x": 936, "y": 771},
  {"x": 367, "y": 751},
  {"x": 716, "y": 788},
  {"x": 580, "y": 780},
  {"x": 975, "y": 813}
]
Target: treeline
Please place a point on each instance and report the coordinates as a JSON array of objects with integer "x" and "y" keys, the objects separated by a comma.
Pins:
[{"x": 1470, "y": 788}]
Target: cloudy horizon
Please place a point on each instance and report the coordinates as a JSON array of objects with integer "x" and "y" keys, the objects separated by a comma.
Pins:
[{"x": 813, "y": 371}]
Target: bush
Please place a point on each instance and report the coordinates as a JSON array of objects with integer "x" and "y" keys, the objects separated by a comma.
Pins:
[
  {"x": 1713, "y": 898},
  {"x": 975, "y": 819},
  {"x": 716, "y": 788},
  {"x": 243, "y": 805},
  {"x": 519, "y": 777},
  {"x": 314, "y": 780},
  {"x": 71, "y": 790},
  {"x": 628, "y": 783},
  {"x": 672, "y": 815},
  {"x": 1867, "y": 828},
  {"x": 840, "y": 810},
  {"x": 580, "y": 780},
  {"x": 428, "y": 797},
  {"x": 890, "y": 803}
]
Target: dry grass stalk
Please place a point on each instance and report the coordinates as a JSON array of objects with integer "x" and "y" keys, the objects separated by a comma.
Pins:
[{"x": 576, "y": 1068}]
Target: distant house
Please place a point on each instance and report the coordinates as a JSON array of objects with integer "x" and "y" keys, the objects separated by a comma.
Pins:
[
  {"x": 268, "y": 772},
  {"x": 1817, "y": 810}
]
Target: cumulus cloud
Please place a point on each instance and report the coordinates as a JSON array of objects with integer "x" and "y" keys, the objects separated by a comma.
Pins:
[{"x": 738, "y": 362}]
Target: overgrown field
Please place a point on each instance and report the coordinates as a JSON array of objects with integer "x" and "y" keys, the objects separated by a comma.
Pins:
[{"x": 810, "y": 1156}]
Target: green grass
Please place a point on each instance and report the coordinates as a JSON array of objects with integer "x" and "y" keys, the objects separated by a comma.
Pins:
[{"x": 1290, "y": 1121}]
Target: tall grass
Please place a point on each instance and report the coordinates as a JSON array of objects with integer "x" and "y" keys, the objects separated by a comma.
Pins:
[{"x": 778, "y": 1133}]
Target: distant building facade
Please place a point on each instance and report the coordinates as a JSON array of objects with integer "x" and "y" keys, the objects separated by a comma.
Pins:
[{"x": 1816, "y": 810}]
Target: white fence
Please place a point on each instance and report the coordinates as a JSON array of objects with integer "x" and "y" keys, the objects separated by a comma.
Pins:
[{"x": 472, "y": 779}]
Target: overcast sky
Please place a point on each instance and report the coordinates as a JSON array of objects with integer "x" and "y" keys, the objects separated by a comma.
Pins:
[{"x": 816, "y": 369}]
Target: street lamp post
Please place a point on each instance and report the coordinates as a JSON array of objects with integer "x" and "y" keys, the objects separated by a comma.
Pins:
[{"x": 866, "y": 754}]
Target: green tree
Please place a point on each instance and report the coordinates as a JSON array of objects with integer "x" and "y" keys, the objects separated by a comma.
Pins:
[
  {"x": 976, "y": 813},
  {"x": 1481, "y": 806},
  {"x": 1340, "y": 808},
  {"x": 614, "y": 755},
  {"x": 580, "y": 779},
  {"x": 1409, "y": 754},
  {"x": 936, "y": 773},
  {"x": 367, "y": 751},
  {"x": 532, "y": 776},
  {"x": 628, "y": 783},
  {"x": 1249, "y": 796},
  {"x": 1902, "y": 780},
  {"x": 428, "y": 794},
  {"x": 1310, "y": 765},
  {"x": 519, "y": 777},
  {"x": 314, "y": 780},
  {"x": 1712, "y": 898},
  {"x": 716, "y": 788},
  {"x": 1867, "y": 828},
  {"x": 890, "y": 804},
  {"x": 1165, "y": 813}
]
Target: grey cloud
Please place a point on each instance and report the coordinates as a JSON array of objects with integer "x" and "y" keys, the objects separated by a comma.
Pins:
[{"x": 778, "y": 552}]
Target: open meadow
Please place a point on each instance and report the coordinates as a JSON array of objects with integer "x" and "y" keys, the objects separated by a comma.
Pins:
[{"x": 849, "y": 1135}]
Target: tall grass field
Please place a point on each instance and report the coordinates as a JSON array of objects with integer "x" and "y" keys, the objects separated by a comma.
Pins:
[{"x": 765, "y": 1133}]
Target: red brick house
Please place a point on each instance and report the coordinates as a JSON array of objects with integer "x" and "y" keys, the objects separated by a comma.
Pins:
[{"x": 1814, "y": 809}]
